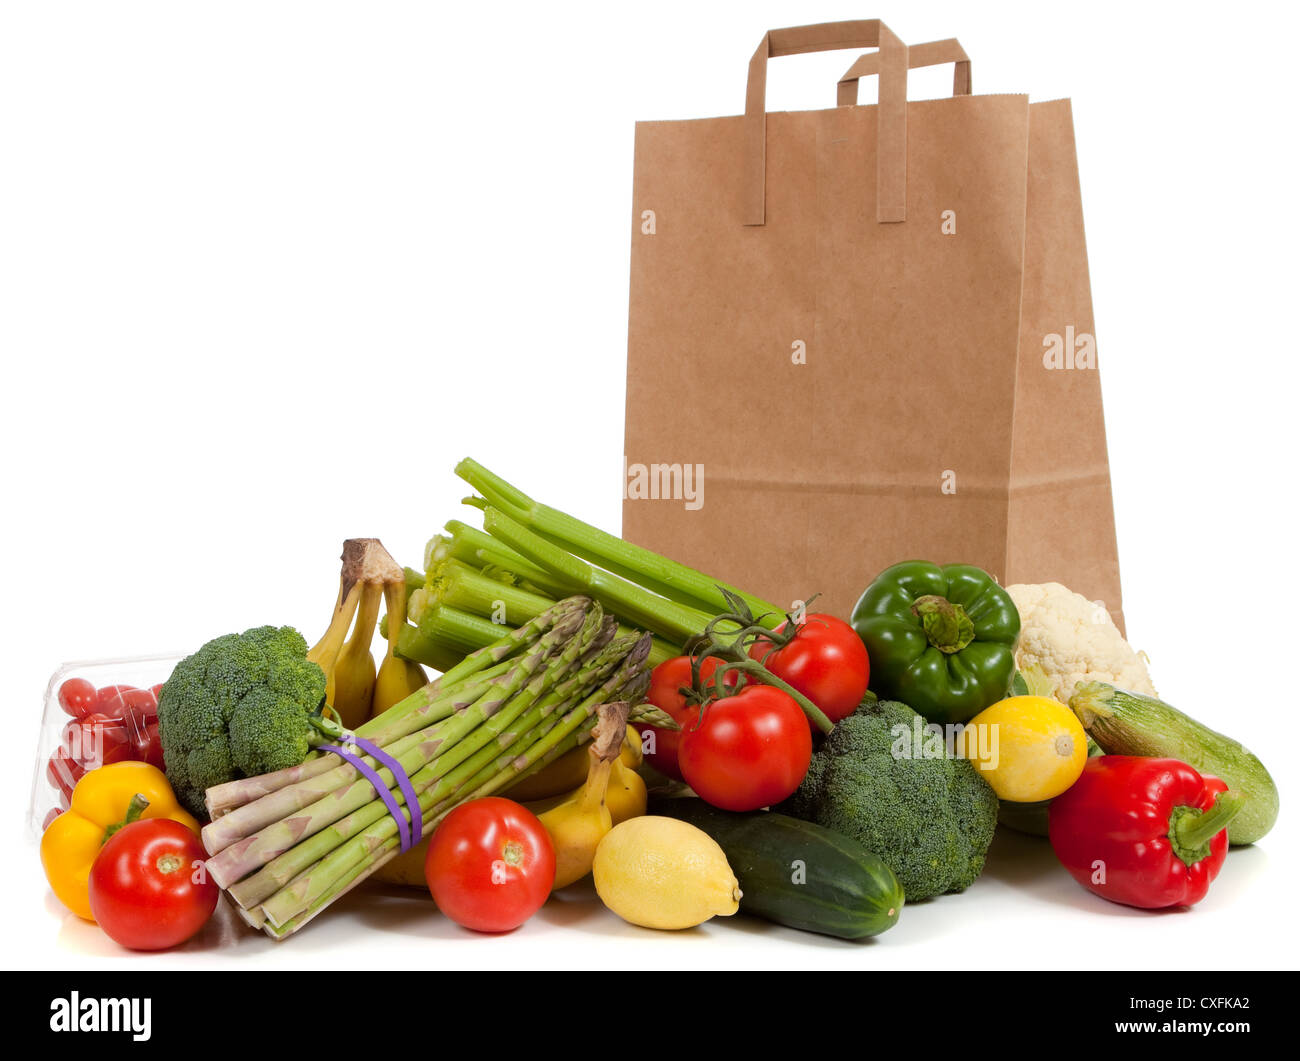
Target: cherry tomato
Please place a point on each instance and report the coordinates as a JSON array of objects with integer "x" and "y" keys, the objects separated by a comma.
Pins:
[
  {"x": 666, "y": 684},
  {"x": 157, "y": 690},
  {"x": 747, "y": 751},
  {"x": 825, "y": 660},
  {"x": 149, "y": 887},
  {"x": 77, "y": 697},
  {"x": 123, "y": 701},
  {"x": 97, "y": 740},
  {"x": 63, "y": 772},
  {"x": 490, "y": 865},
  {"x": 146, "y": 745}
]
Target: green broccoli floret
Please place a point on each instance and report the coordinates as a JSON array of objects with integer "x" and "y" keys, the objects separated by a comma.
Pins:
[
  {"x": 929, "y": 819},
  {"x": 243, "y": 704}
]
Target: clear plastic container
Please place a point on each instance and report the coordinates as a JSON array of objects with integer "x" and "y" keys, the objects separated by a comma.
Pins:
[{"x": 118, "y": 721}]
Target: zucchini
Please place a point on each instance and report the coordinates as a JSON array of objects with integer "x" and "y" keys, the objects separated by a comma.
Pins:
[
  {"x": 1126, "y": 723},
  {"x": 797, "y": 873}
]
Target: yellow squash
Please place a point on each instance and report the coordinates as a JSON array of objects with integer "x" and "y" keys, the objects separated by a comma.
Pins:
[{"x": 1029, "y": 748}]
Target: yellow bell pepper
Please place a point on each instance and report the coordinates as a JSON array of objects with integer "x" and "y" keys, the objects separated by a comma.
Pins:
[{"x": 103, "y": 801}]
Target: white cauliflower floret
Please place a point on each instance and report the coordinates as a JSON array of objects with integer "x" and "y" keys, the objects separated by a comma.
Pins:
[{"x": 1072, "y": 639}]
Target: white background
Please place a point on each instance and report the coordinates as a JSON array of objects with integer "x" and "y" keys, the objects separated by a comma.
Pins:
[{"x": 267, "y": 270}]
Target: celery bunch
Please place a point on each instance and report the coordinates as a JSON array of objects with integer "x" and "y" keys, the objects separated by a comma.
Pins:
[{"x": 527, "y": 556}]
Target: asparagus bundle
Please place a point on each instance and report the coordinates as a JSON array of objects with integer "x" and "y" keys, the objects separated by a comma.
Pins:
[
  {"x": 527, "y": 556},
  {"x": 286, "y": 845}
]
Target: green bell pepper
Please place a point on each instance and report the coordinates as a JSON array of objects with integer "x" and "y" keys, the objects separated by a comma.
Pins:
[{"x": 940, "y": 639}]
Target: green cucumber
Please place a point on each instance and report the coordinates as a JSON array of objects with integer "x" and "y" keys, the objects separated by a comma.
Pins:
[
  {"x": 1126, "y": 723},
  {"x": 797, "y": 873}
]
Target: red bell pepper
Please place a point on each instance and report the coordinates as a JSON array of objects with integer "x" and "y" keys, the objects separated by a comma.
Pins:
[{"x": 1143, "y": 832}]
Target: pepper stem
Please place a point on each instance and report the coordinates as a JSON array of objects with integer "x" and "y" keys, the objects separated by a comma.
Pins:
[
  {"x": 1191, "y": 829},
  {"x": 134, "y": 809},
  {"x": 946, "y": 625}
]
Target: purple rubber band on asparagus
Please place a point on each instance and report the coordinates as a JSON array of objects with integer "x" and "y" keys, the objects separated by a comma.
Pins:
[
  {"x": 371, "y": 775},
  {"x": 403, "y": 782}
]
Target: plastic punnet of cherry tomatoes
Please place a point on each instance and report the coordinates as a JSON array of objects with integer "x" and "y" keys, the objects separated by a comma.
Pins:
[
  {"x": 669, "y": 684},
  {"x": 822, "y": 657},
  {"x": 149, "y": 886},
  {"x": 490, "y": 864},
  {"x": 747, "y": 750}
]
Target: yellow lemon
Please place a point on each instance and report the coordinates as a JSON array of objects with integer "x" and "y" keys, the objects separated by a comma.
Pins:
[
  {"x": 1028, "y": 748},
  {"x": 663, "y": 873}
]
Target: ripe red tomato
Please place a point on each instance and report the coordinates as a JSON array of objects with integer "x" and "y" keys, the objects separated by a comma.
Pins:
[
  {"x": 77, "y": 697},
  {"x": 149, "y": 888},
  {"x": 825, "y": 660},
  {"x": 490, "y": 864},
  {"x": 747, "y": 751},
  {"x": 97, "y": 740},
  {"x": 666, "y": 683}
]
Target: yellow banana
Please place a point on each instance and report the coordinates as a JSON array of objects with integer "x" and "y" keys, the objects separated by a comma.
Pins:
[
  {"x": 569, "y": 771},
  {"x": 349, "y": 667},
  {"x": 406, "y": 869},
  {"x": 578, "y": 824},
  {"x": 626, "y": 795},
  {"x": 354, "y": 671},
  {"x": 397, "y": 678}
]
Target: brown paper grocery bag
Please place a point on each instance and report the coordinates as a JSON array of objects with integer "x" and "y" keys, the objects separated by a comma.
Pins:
[{"x": 863, "y": 335}]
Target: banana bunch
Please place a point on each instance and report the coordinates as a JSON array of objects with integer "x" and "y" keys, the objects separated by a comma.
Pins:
[{"x": 354, "y": 688}]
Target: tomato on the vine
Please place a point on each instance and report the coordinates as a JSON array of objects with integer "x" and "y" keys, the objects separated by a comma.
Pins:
[
  {"x": 490, "y": 864},
  {"x": 825, "y": 660},
  {"x": 149, "y": 887},
  {"x": 667, "y": 681},
  {"x": 746, "y": 751}
]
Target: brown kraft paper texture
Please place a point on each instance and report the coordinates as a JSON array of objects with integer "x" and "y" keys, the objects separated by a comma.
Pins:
[{"x": 814, "y": 392}]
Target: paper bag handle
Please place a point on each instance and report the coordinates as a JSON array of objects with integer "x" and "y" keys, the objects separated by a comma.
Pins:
[
  {"x": 932, "y": 53},
  {"x": 891, "y": 118}
]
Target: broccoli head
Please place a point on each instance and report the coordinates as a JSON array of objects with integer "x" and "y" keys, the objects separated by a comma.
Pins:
[
  {"x": 929, "y": 818},
  {"x": 242, "y": 705}
]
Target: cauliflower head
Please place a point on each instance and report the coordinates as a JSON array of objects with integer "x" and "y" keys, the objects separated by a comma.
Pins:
[{"x": 1071, "y": 639}]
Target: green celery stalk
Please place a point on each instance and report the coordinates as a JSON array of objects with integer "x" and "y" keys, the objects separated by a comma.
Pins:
[
  {"x": 677, "y": 582},
  {"x": 675, "y": 622}
]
